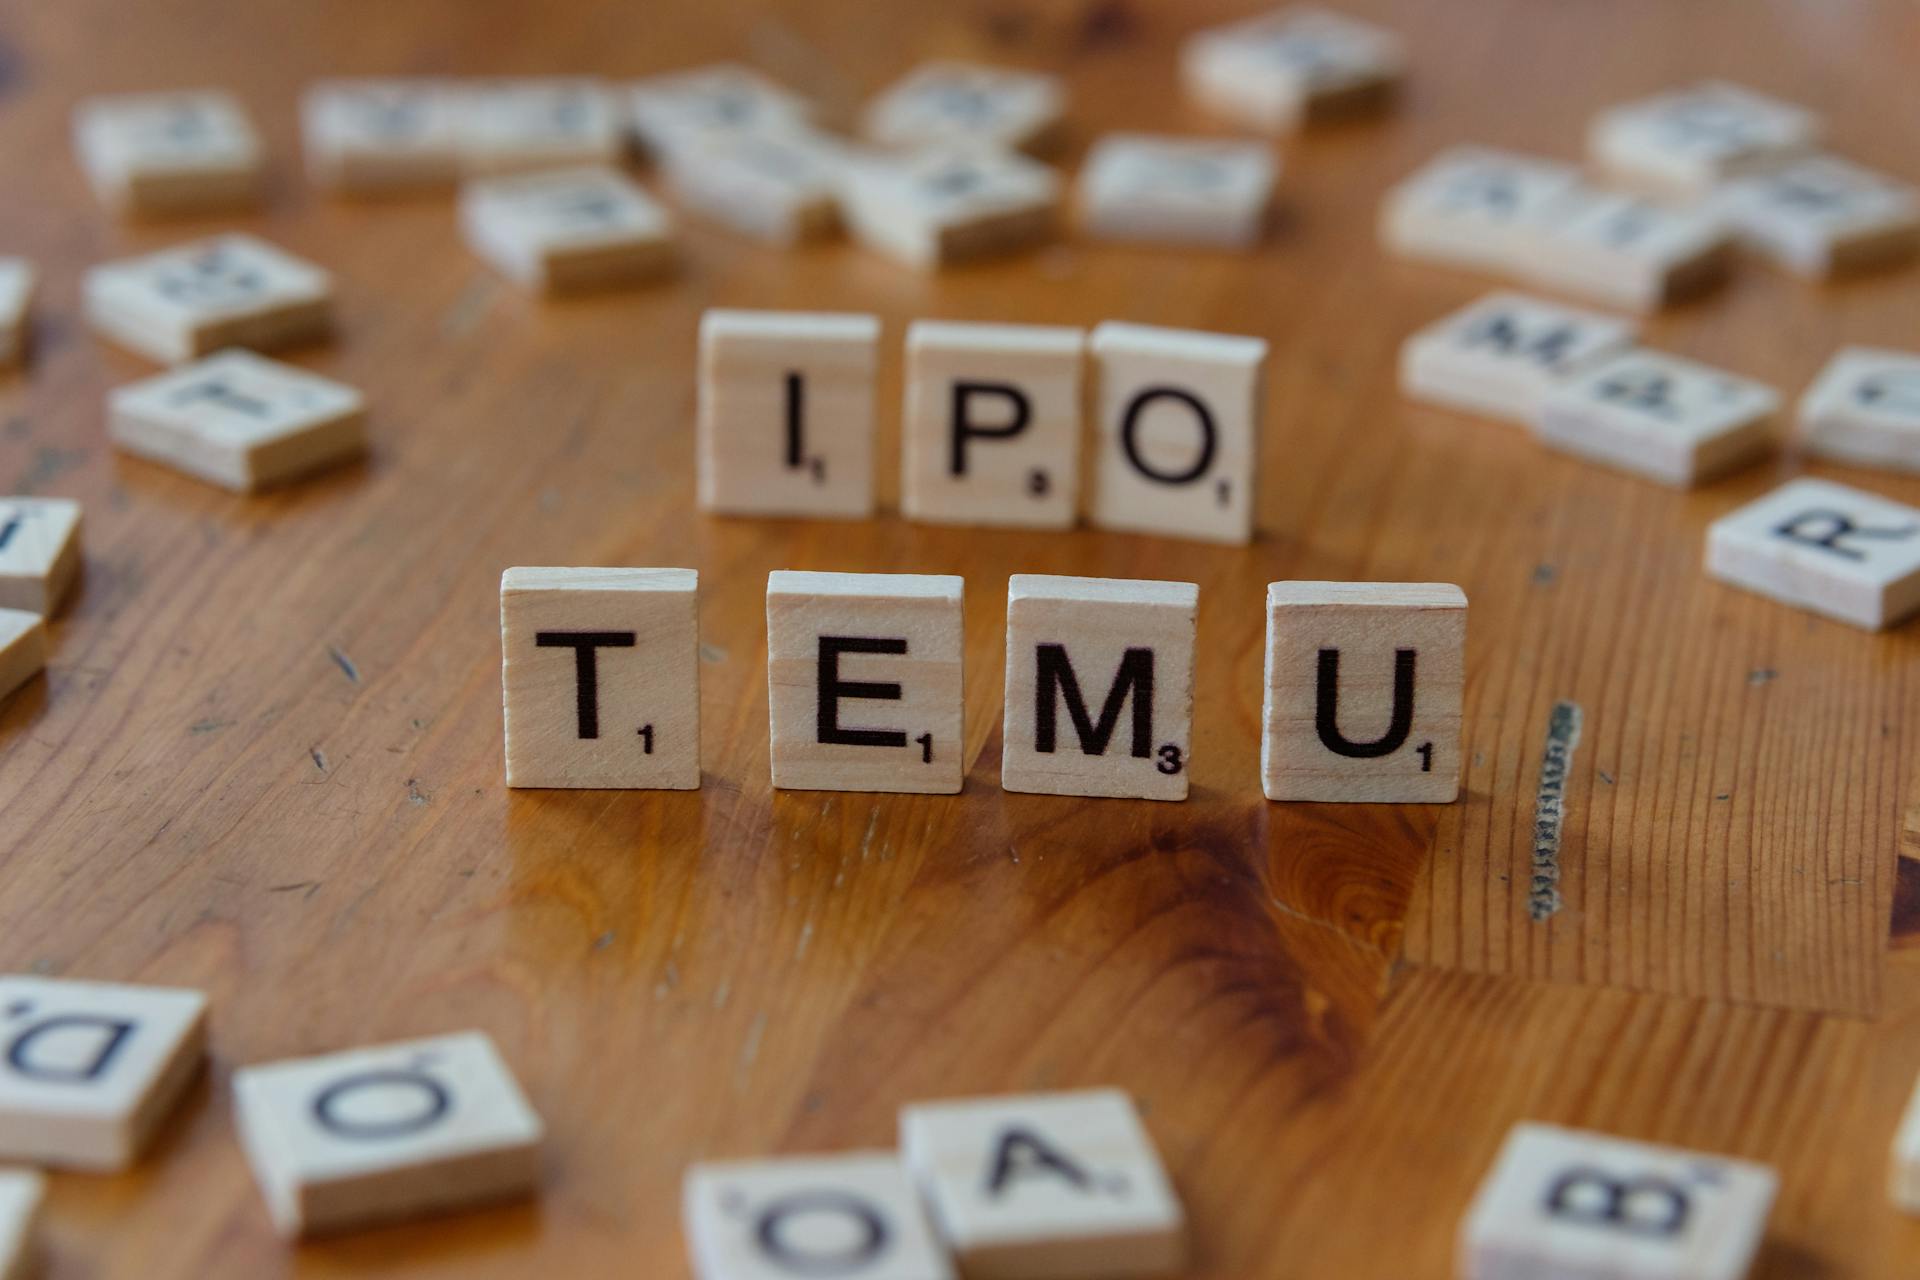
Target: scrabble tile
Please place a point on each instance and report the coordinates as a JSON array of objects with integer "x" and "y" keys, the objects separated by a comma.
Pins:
[
  {"x": 227, "y": 291},
  {"x": 1903, "y": 1173},
  {"x": 949, "y": 204},
  {"x": 854, "y": 1216},
  {"x": 1178, "y": 426},
  {"x": 1291, "y": 66},
  {"x": 89, "y": 1070},
  {"x": 21, "y": 1191},
  {"x": 1672, "y": 420},
  {"x": 381, "y": 136},
  {"x": 374, "y": 1135},
  {"x": 1155, "y": 189},
  {"x": 39, "y": 552},
  {"x": 601, "y": 677},
  {"x": 1502, "y": 355},
  {"x": 518, "y": 124},
  {"x": 940, "y": 103},
  {"x": 1683, "y": 143},
  {"x": 1626, "y": 251},
  {"x": 1585, "y": 1206},
  {"x": 786, "y": 421},
  {"x": 239, "y": 420},
  {"x": 863, "y": 674},
  {"x": 567, "y": 230},
  {"x": 1363, "y": 694},
  {"x": 1099, "y": 693},
  {"x": 1474, "y": 207},
  {"x": 1865, "y": 409},
  {"x": 1835, "y": 550},
  {"x": 690, "y": 110},
  {"x": 778, "y": 186},
  {"x": 991, "y": 432},
  {"x": 167, "y": 153},
  {"x": 16, "y": 295},
  {"x": 1820, "y": 215},
  {"x": 23, "y": 655}
]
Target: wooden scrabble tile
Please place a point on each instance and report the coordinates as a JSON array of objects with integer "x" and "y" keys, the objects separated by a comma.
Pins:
[
  {"x": 23, "y": 655},
  {"x": 1474, "y": 207},
  {"x": 1865, "y": 409},
  {"x": 1683, "y": 143},
  {"x": 854, "y": 1216},
  {"x": 601, "y": 677},
  {"x": 375, "y": 1135},
  {"x": 88, "y": 1070},
  {"x": 519, "y": 124},
  {"x": 1178, "y": 427},
  {"x": 381, "y": 136},
  {"x": 1672, "y": 420},
  {"x": 39, "y": 552},
  {"x": 786, "y": 421},
  {"x": 991, "y": 432},
  {"x": 1623, "y": 250},
  {"x": 166, "y": 153},
  {"x": 1364, "y": 691},
  {"x": 1822, "y": 546},
  {"x": 777, "y": 185},
  {"x": 228, "y": 291},
  {"x": 949, "y": 204},
  {"x": 1820, "y": 215},
  {"x": 21, "y": 1191},
  {"x": 1044, "y": 1185},
  {"x": 567, "y": 230},
  {"x": 1502, "y": 355},
  {"x": 939, "y": 103},
  {"x": 1584, "y": 1206},
  {"x": 1155, "y": 189},
  {"x": 16, "y": 295},
  {"x": 864, "y": 681},
  {"x": 239, "y": 420},
  {"x": 689, "y": 110},
  {"x": 1291, "y": 66},
  {"x": 1903, "y": 1173},
  {"x": 1099, "y": 698}
]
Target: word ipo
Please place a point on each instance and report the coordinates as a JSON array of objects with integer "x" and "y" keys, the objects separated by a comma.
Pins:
[{"x": 600, "y": 683}]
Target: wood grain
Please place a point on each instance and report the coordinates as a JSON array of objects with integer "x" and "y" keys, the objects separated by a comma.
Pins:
[{"x": 267, "y": 757}]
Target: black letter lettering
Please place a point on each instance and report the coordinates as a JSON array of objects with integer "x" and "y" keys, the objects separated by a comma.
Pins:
[
  {"x": 1055, "y": 681},
  {"x": 434, "y": 1104},
  {"x": 586, "y": 667},
  {"x": 7, "y": 531},
  {"x": 1620, "y": 1202},
  {"x": 1130, "y": 425},
  {"x": 113, "y": 1032},
  {"x": 770, "y": 1230},
  {"x": 832, "y": 688},
  {"x": 962, "y": 425},
  {"x": 1326, "y": 713},
  {"x": 796, "y": 421},
  {"x": 1022, "y": 1153},
  {"x": 1840, "y": 526}
]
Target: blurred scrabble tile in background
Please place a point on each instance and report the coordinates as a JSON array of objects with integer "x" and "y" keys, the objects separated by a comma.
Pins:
[
  {"x": 991, "y": 430},
  {"x": 691, "y": 109},
  {"x": 1624, "y": 250},
  {"x": 16, "y": 296},
  {"x": 781, "y": 186},
  {"x": 1473, "y": 207},
  {"x": 1865, "y": 409},
  {"x": 89, "y": 1070},
  {"x": 21, "y": 1192},
  {"x": 1501, "y": 355},
  {"x": 1826, "y": 547},
  {"x": 375, "y": 1135},
  {"x": 855, "y": 1215},
  {"x": 1903, "y": 1173},
  {"x": 1159, "y": 189},
  {"x": 1820, "y": 215},
  {"x": 950, "y": 204},
  {"x": 1683, "y": 143},
  {"x": 1585, "y": 1206},
  {"x": 786, "y": 413},
  {"x": 239, "y": 420},
  {"x": 944, "y": 103},
  {"x": 39, "y": 552},
  {"x": 568, "y": 230},
  {"x": 518, "y": 124},
  {"x": 1177, "y": 431},
  {"x": 1672, "y": 420},
  {"x": 167, "y": 153},
  {"x": 382, "y": 136},
  {"x": 227, "y": 291},
  {"x": 1043, "y": 1185},
  {"x": 1291, "y": 66},
  {"x": 23, "y": 655}
]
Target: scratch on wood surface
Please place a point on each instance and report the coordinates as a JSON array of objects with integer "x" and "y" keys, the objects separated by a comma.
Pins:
[
  {"x": 1549, "y": 809},
  {"x": 341, "y": 660}
]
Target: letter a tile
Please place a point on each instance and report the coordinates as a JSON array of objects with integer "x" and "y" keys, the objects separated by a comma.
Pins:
[
  {"x": 88, "y": 1070},
  {"x": 1364, "y": 691}
]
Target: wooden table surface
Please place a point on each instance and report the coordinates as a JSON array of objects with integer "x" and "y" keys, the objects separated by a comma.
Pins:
[{"x": 266, "y": 759}]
